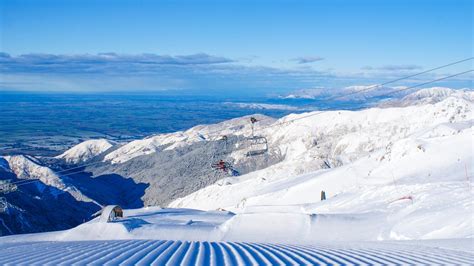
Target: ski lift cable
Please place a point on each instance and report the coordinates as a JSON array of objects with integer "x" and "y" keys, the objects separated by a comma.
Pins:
[
  {"x": 428, "y": 82},
  {"x": 28, "y": 181},
  {"x": 79, "y": 166},
  {"x": 399, "y": 79},
  {"x": 25, "y": 181},
  {"x": 391, "y": 92},
  {"x": 380, "y": 85},
  {"x": 66, "y": 170}
]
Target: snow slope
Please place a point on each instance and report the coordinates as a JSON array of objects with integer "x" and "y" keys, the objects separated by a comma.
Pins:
[
  {"x": 85, "y": 150},
  {"x": 377, "y": 157},
  {"x": 202, "y": 238}
]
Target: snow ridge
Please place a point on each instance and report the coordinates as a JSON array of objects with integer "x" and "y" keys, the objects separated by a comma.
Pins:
[
  {"x": 429, "y": 96},
  {"x": 27, "y": 168},
  {"x": 85, "y": 150}
]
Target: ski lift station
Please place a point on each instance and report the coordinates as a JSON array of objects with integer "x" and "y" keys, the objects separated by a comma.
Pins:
[{"x": 111, "y": 213}]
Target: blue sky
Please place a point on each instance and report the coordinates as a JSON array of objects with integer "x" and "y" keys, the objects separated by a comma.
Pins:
[{"x": 230, "y": 45}]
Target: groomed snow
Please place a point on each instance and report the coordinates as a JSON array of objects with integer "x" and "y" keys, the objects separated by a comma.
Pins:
[
  {"x": 161, "y": 252},
  {"x": 192, "y": 237}
]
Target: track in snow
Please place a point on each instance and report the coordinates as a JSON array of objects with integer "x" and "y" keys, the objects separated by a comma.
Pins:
[{"x": 156, "y": 252}]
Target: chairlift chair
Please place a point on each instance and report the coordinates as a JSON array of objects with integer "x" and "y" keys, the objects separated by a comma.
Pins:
[
  {"x": 222, "y": 147},
  {"x": 257, "y": 145},
  {"x": 221, "y": 165},
  {"x": 225, "y": 167}
]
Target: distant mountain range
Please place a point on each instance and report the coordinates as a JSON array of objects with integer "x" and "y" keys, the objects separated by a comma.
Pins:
[{"x": 350, "y": 93}]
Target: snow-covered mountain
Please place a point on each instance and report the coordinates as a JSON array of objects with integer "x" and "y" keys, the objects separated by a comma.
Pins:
[
  {"x": 266, "y": 106},
  {"x": 43, "y": 200},
  {"x": 393, "y": 96},
  {"x": 429, "y": 95},
  {"x": 153, "y": 144},
  {"x": 311, "y": 93},
  {"x": 30, "y": 169},
  {"x": 85, "y": 150}
]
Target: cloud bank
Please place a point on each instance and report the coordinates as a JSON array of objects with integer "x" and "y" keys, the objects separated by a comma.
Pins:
[
  {"x": 393, "y": 68},
  {"x": 111, "y": 71},
  {"x": 307, "y": 59},
  {"x": 103, "y": 62},
  {"x": 198, "y": 72}
]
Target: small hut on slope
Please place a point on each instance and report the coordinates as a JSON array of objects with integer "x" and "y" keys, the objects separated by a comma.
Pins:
[{"x": 111, "y": 213}]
